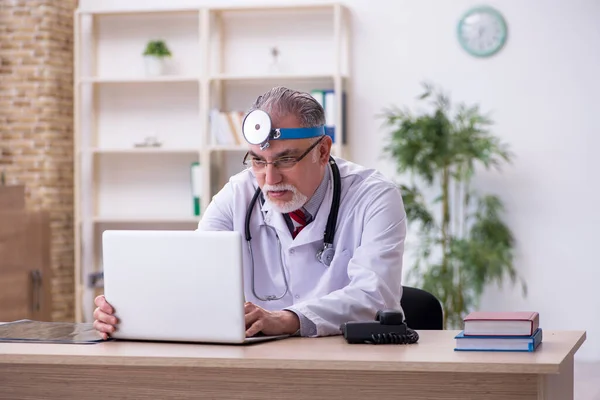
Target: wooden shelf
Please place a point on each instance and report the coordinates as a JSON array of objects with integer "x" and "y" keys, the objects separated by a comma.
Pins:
[
  {"x": 141, "y": 79},
  {"x": 278, "y": 8},
  {"x": 144, "y": 150},
  {"x": 144, "y": 220},
  {"x": 275, "y": 77},
  {"x": 209, "y": 83},
  {"x": 139, "y": 12},
  {"x": 228, "y": 148}
]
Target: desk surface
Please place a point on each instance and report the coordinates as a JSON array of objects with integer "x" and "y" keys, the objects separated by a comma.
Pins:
[{"x": 433, "y": 352}]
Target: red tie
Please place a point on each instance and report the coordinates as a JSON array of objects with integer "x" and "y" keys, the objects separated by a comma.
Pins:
[{"x": 299, "y": 220}]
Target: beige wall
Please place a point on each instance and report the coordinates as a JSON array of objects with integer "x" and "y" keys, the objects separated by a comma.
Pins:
[{"x": 36, "y": 122}]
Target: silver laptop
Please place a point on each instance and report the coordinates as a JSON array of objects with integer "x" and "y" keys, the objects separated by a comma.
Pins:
[{"x": 184, "y": 286}]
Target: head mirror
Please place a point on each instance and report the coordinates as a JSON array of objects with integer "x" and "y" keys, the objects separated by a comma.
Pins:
[{"x": 256, "y": 127}]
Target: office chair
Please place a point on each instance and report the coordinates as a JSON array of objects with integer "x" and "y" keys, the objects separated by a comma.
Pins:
[{"x": 422, "y": 310}]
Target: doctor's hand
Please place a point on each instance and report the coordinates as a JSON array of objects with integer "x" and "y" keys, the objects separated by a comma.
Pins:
[
  {"x": 269, "y": 322},
  {"x": 104, "y": 320}
]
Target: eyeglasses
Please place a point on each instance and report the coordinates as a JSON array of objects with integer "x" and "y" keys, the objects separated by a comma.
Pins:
[{"x": 282, "y": 163}]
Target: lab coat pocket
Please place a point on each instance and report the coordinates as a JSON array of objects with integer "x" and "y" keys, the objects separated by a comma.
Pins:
[{"x": 335, "y": 276}]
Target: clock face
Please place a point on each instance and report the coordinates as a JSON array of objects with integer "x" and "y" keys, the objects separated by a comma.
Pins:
[{"x": 482, "y": 31}]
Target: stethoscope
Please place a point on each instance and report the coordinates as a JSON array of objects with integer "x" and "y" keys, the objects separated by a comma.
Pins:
[{"x": 257, "y": 130}]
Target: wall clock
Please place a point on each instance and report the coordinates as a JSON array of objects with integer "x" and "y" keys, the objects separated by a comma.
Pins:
[{"x": 482, "y": 31}]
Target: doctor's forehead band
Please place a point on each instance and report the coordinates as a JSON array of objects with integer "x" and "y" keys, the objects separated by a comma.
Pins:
[{"x": 257, "y": 129}]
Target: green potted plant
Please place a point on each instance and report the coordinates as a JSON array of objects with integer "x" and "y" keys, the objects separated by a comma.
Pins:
[
  {"x": 463, "y": 244},
  {"x": 155, "y": 55}
]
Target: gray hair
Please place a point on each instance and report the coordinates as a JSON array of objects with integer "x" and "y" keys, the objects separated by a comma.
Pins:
[{"x": 281, "y": 101}]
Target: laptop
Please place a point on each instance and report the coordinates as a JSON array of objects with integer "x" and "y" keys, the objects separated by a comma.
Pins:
[{"x": 182, "y": 286}]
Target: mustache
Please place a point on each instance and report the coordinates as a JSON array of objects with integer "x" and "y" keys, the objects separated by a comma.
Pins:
[{"x": 279, "y": 187}]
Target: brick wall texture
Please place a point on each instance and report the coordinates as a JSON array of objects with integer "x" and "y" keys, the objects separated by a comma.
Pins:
[{"x": 36, "y": 123}]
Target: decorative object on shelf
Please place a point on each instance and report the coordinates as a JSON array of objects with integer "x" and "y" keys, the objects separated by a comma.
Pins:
[
  {"x": 96, "y": 280},
  {"x": 149, "y": 141},
  {"x": 482, "y": 31},
  {"x": 155, "y": 57},
  {"x": 275, "y": 66},
  {"x": 469, "y": 246}
]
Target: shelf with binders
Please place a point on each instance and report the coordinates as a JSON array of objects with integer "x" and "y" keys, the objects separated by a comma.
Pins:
[
  {"x": 300, "y": 47},
  {"x": 143, "y": 187},
  {"x": 232, "y": 99},
  {"x": 138, "y": 133}
]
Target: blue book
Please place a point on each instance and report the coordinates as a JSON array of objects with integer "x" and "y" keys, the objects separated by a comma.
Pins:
[{"x": 498, "y": 343}]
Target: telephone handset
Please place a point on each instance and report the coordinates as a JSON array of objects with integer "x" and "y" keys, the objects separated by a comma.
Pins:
[{"x": 388, "y": 328}]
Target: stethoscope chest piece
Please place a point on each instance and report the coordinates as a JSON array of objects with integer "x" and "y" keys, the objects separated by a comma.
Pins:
[{"x": 326, "y": 256}]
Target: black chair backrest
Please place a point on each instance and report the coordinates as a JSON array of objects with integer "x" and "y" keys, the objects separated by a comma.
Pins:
[{"x": 422, "y": 310}]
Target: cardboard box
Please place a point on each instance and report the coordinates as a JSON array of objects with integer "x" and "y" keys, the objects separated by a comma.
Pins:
[
  {"x": 25, "y": 272},
  {"x": 12, "y": 197}
]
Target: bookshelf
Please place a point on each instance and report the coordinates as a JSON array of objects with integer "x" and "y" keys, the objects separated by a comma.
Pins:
[{"x": 138, "y": 135}]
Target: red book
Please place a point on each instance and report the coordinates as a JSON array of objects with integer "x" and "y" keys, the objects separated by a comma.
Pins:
[{"x": 501, "y": 323}]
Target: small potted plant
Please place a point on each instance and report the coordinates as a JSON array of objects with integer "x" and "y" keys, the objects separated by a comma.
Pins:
[{"x": 155, "y": 55}]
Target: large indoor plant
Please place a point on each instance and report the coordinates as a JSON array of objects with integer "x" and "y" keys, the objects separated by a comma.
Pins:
[{"x": 463, "y": 244}]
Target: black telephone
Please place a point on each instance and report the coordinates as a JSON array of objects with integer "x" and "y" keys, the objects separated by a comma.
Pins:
[{"x": 388, "y": 328}]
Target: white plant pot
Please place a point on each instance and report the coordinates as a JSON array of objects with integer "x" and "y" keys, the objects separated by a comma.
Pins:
[{"x": 155, "y": 66}]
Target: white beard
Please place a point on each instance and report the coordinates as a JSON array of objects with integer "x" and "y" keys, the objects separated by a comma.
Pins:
[{"x": 298, "y": 199}]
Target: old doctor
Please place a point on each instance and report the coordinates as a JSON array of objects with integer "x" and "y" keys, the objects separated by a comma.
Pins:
[{"x": 324, "y": 237}]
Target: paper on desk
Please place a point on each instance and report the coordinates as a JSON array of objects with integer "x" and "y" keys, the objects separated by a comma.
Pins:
[{"x": 29, "y": 331}]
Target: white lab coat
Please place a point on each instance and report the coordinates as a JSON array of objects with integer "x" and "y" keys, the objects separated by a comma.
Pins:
[{"x": 365, "y": 274}]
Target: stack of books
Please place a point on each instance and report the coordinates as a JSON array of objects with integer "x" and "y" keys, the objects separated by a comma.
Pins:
[{"x": 500, "y": 331}]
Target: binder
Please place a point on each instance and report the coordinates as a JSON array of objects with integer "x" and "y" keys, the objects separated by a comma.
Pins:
[
  {"x": 196, "y": 182},
  {"x": 327, "y": 99}
]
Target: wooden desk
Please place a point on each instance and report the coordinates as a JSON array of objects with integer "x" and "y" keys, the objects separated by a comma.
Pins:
[{"x": 295, "y": 368}]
